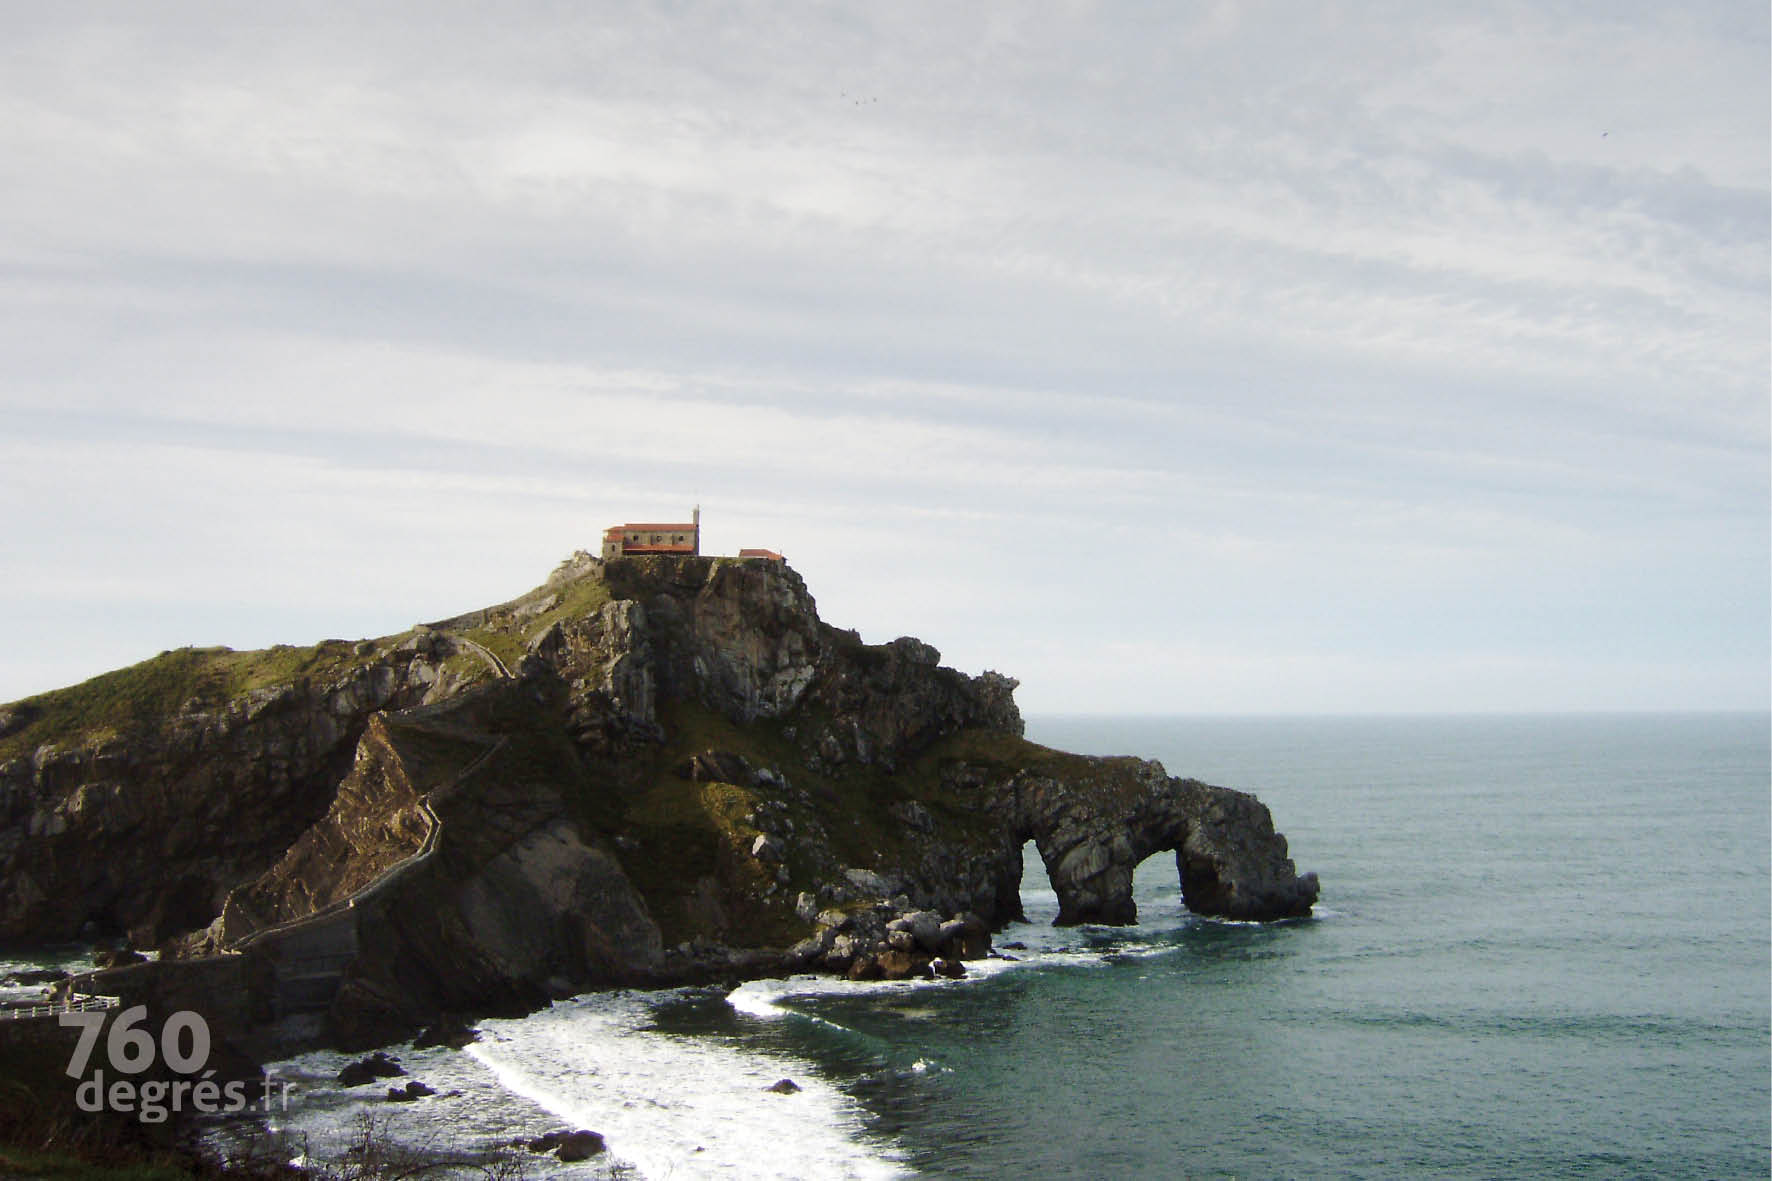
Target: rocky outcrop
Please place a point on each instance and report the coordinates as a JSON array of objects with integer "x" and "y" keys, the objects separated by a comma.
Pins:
[
  {"x": 1093, "y": 829},
  {"x": 144, "y": 832},
  {"x": 687, "y": 776}
]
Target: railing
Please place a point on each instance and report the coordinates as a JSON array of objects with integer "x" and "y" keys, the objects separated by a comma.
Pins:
[
  {"x": 77, "y": 1004},
  {"x": 486, "y": 654},
  {"x": 388, "y": 876}
]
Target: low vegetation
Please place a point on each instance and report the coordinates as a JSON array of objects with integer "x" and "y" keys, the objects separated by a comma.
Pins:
[{"x": 117, "y": 704}]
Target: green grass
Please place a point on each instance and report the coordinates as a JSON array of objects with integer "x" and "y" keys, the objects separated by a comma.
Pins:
[
  {"x": 119, "y": 703},
  {"x": 501, "y": 644},
  {"x": 466, "y": 666},
  {"x": 504, "y": 633},
  {"x": 686, "y": 831},
  {"x": 123, "y": 702},
  {"x": 577, "y": 599}
]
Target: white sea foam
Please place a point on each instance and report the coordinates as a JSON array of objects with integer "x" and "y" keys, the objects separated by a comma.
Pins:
[
  {"x": 66, "y": 958},
  {"x": 762, "y": 998},
  {"x": 680, "y": 1106},
  {"x": 667, "y": 1105},
  {"x": 471, "y": 1112}
]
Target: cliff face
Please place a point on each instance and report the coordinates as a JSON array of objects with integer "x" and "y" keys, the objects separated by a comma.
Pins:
[
  {"x": 141, "y": 822},
  {"x": 644, "y": 771}
]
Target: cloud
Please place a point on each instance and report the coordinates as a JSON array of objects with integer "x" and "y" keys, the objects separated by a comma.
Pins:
[{"x": 1274, "y": 314}]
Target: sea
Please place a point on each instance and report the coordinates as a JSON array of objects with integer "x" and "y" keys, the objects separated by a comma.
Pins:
[{"x": 1543, "y": 949}]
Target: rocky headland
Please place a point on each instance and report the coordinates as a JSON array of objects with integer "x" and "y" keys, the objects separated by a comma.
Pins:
[{"x": 647, "y": 771}]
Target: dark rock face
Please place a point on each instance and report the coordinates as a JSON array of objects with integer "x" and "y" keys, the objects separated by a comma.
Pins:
[
  {"x": 146, "y": 835},
  {"x": 689, "y": 777}
]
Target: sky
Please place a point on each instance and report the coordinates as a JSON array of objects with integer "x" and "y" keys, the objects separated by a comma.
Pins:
[{"x": 1172, "y": 358}]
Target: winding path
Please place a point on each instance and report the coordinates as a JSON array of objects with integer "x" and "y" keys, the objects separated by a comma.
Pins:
[
  {"x": 392, "y": 874},
  {"x": 485, "y": 653}
]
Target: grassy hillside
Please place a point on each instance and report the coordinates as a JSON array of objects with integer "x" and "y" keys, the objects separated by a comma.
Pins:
[{"x": 115, "y": 704}]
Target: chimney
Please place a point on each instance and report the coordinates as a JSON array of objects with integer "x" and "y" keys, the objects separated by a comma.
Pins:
[{"x": 695, "y": 519}]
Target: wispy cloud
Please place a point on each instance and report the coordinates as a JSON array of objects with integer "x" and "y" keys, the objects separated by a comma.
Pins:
[{"x": 1405, "y": 323}]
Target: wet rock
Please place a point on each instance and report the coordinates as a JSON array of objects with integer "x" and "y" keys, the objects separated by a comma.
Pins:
[
  {"x": 33, "y": 977},
  {"x": 965, "y": 937},
  {"x": 568, "y": 1146},
  {"x": 367, "y": 1070},
  {"x": 118, "y": 958},
  {"x": 786, "y": 1086},
  {"x": 451, "y": 1031},
  {"x": 410, "y": 1093},
  {"x": 580, "y": 1145},
  {"x": 925, "y": 927}
]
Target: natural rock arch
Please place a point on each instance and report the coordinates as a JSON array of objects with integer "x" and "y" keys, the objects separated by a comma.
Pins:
[{"x": 1094, "y": 830}]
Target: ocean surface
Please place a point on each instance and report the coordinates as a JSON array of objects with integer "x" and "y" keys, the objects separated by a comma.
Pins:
[{"x": 1543, "y": 949}]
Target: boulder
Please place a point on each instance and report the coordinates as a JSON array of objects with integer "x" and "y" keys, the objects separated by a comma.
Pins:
[
  {"x": 580, "y": 1145},
  {"x": 451, "y": 1031},
  {"x": 117, "y": 958},
  {"x": 567, "y": 1146},
  {"x": 925, "y": 927},
  {"x": 716, "y": 766},
  {"x": 965, "y": 937},
  {"x": 869, "y": 883},
  {"x": 367, "y": 1070},
  {"x": 411, "y": 1092}
]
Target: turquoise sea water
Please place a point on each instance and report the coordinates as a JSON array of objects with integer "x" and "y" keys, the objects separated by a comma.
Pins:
[{"x": 1542, "y": 950}]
